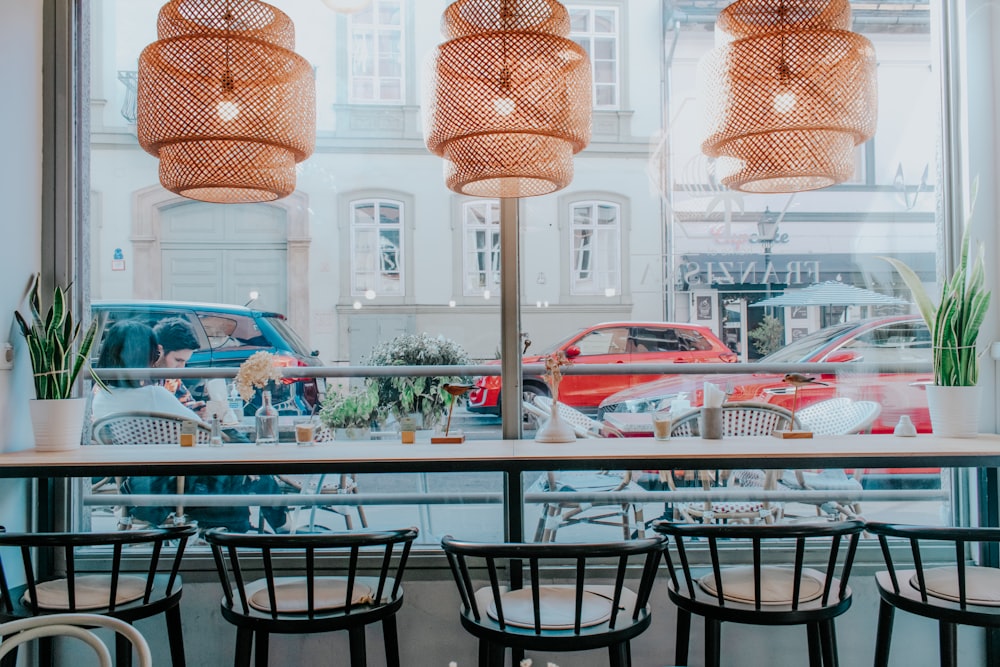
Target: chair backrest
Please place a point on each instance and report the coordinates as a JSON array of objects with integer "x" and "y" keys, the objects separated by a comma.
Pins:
[
  {"x": 63, "y": 546},
  {"x": 808, "y": 538},
  {"x": 921, "y": 538},
  {"x": 16, "y": 632},
  {"x": 238, "y": 553},
  {"x": 583, "y": 426},
  {"x": 839, "y": 416},
  {"x": 144, "y": 428},
  {"x": 591, "y": 563},
  {"x": 741, "y": 418}
]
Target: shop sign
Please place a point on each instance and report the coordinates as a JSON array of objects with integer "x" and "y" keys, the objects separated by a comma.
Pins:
[{"x": 741, "y": 272}]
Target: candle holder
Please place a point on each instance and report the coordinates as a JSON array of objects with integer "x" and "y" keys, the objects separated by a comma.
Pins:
[{"x": 454, "y": 390}]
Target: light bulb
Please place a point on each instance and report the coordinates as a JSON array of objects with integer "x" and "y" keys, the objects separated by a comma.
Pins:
[
  {"x": 227, "y": 110},
  {"x": 486, "y": 294},
  {"x": 357, "y": 305},
  {"x": 370, "y": 294},
  {"x": 609, "y": 292},
  {"x": 451, "y": 304},
  {"x": 784, "y": 102},
  {"x": 504, "y": 106}
]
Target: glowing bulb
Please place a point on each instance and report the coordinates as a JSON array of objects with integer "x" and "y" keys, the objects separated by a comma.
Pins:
[
  {"x": 370, "y": 294},
  {"x": 538, "y": 304},
  {"x": 227, "y": 110},
  {"x": 609, "y": 292},
  {"x": 451, "y": 304},
  {"x": 784, "y": 102},
  {"x": 486, "y": 294},
  {"x": 504, "y": 106},
  {"x": 254, "y": 295},
  {"x": 357, "y": 305}
]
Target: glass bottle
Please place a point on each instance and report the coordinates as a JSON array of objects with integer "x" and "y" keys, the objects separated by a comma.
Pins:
[
  {"x": 215, "y": 440},
  {"x": 266, "y": 420}
]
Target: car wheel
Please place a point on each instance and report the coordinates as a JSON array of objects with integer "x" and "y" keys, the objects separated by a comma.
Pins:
[{"x": 528, "y": 394}]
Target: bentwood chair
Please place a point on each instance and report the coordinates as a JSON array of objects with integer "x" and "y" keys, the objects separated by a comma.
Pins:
[
  {"x": 768, "y": 591},
  {"x": 738, "y": 419},
  {"x": 329, "y": 595},
  {"x": 837, "y": 416},
  {"x": 595, "y": 610},
  {"x": 141, "y": 591},
  {"x": 628, "y": 516},
  {"x": 954, "y": 593},
  {"x": 78, "y": 626}
]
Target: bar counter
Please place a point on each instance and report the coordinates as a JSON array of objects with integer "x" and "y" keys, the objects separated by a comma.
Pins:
[{"x": 510, "y": 456}]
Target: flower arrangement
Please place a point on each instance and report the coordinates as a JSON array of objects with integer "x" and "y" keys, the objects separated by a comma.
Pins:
[
  {"x": 553, "y": 371},
  {"x": 421, "y": 394},
  {"x": 255, "y": 373}
]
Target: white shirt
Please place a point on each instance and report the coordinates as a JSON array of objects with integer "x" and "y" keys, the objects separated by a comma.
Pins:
[{"x": 149, "y": 398}]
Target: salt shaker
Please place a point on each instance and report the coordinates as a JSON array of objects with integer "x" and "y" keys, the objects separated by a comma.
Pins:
[
  {"x": 905, "y": 427},
  {"x": 215, "y": 440}
]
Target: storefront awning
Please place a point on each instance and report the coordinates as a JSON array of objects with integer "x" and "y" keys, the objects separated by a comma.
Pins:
[{"x": 831, "y": 293}]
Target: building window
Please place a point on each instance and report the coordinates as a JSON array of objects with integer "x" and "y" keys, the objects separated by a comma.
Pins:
[
  {"x": 595, "y": 249},
  {"x": 596, "y": 30},
  {"x": 377, "y": 248},
  {"x": 481, "y": 247},
  {"x": 376, "y": 52}
]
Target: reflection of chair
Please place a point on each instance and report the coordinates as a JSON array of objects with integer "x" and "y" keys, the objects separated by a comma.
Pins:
[
  {"x": 759, "y": 593},
  {"x": 954, "y": 593},
  {"x": 79, "y": 626},
  {"x": 738, "y": 419},
  {"x": 628, "y": 516},
  {"x": 138, "y": 593},
  {"x": 837, "y": 416},
  {"x": 332, "y": 595},
  {"x": 345, "y": 483},
  {"x": 543, "y": 616}
]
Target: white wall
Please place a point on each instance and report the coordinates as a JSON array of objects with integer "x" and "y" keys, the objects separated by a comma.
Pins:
[{"x": 20, "y": 192}]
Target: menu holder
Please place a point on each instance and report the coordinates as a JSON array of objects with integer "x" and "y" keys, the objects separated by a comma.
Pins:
[
  {"x": 448, "y": 439},
  {"x": 790, "y": 435}
]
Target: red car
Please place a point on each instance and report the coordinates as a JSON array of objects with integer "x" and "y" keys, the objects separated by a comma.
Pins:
[
  {"x": 610, "y": 343},
  {"x": 902, "y": 338}
]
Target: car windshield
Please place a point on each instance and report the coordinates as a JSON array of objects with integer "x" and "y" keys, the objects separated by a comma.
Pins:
[
  {"x": 281, "y": 325},
  {"x": 804, "y": 347}
]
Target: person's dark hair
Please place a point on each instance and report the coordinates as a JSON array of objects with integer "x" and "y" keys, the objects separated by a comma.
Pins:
[
  {"x": 128, "y": 344},
  {"x": 175, "y": 333}
]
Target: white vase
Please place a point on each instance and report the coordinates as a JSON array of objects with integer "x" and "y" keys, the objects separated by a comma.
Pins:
[
  {"x": 57, "y": 423},
  {"x": 954, "y": 411},
  {"x": 555, "y": 429}
]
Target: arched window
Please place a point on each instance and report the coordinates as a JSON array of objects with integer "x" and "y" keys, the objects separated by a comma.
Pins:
[
  {"x": 595, "y": 248},
  {"x": 481, "y": 247},
  {"x": 377, "y": 247}
]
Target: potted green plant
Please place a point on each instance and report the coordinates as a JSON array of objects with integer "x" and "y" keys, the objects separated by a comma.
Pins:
[
  {"x": 419, "y": 396},
  {"x": 954, "y": 324},
  {"x": 59, "y": 348},
  {"x": 350, "y": 413}
]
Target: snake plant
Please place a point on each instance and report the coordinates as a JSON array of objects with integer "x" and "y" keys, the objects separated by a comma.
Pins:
[
  {"x": 56, "y": 359},
  {"x": 954, "y": 323}
]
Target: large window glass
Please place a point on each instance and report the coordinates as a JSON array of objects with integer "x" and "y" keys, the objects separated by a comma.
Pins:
[{"x": 645, "y": 258}]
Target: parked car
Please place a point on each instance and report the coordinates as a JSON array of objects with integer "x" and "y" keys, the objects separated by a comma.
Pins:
[
  {"x": 610, "y": 343},
  {"x": 228, "y": 335},
  {"x": 903, "y": 338}
]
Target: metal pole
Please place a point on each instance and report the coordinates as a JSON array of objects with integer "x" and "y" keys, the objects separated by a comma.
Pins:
[{"x": 510, "y": 361}]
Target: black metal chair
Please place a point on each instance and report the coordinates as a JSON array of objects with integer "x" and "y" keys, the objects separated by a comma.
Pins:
[
  {"x": 330, "y": 595},
  {"x": 954, "y": 593},
  {"x": 761, "y": 593},
  {"x": 128, "y": 595},
  {"x": 596, "y": 611}
]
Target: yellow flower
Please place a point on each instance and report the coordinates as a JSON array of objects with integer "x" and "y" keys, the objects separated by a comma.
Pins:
[{"x": 255, "y": 373}]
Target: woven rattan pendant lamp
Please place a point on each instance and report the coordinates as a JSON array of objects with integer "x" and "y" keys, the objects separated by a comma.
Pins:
[
  {"x": 509, "y": 98},
  {"x": 790, "y": 93},
  {"x": 224, "y": 102}
]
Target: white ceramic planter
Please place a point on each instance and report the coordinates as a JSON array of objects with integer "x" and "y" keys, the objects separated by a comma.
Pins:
[
  {"x": 555, "y": 429},
  {"x": 954, "y": 410},
  {"x": 58, "y": 423}
]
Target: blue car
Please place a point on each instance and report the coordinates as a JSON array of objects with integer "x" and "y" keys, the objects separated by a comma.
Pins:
[{"x": 228, "y": 335}]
